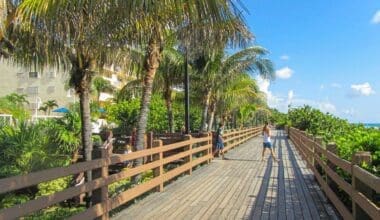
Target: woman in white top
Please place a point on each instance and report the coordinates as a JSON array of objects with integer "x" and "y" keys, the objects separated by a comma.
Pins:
[{"x": 267, "y": 142}]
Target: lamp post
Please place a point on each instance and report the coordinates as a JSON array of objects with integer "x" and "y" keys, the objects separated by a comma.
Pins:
[
  {"x": 187, "y": 100},
  {"x": 38, "y": 102}
]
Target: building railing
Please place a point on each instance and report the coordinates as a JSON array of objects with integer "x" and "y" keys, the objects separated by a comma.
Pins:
[
  {"x": 195, "y": 151},
  {"x": 362, "y": 187}
]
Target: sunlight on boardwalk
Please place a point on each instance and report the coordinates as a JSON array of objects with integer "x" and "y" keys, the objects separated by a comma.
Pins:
[{"x": 241, "y": 187}]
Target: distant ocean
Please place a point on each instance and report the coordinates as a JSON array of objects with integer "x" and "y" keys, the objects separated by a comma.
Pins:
[{"x": 372, "y": 125}]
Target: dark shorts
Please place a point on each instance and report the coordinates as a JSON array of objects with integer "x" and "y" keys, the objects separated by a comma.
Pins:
[
  {"x": 267, "y": 145},
  {"x": 219, "y": 145}
]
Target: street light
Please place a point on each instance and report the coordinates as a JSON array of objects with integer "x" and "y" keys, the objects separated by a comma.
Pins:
[
  {"x": 38, "y": 102},
  {"x": 187, "y": 100}
]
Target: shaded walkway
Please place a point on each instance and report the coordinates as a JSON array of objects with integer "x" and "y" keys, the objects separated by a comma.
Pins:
[{"x": 241, "y": 187}]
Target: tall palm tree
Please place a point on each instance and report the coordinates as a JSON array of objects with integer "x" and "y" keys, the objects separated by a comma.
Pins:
[
  {"x": 7, "y": 17},
  {"x": 67, "y": 35},
  {"x": 239, "y": 97},
  {"x": 215, "y": 69},
  {"x": 169, "y": 75}
]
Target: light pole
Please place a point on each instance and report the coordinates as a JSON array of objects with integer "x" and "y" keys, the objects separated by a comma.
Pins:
[
  {"x": 38, "y": 102},
  {"x": 187, "y": 100}
]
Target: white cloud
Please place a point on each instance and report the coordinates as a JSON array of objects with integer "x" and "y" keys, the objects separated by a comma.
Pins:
[
  {"x": 324, "y": 106},
  {"x": 364, "y": 89},
  {"x": 281, "y": 103},
  {"x": 285, "y": 57},
  {"x": 273, "y": 100},
  {"x": 290, "y": 97},
  {"x": 349, "y": 112},
  {"x": 336, "y": 85},
  {"x": 284, "y": 73},
  {"x": 376, "y": 18},
  {"x": 327, "y": 107},
  {"x": 322, "y": 86}
]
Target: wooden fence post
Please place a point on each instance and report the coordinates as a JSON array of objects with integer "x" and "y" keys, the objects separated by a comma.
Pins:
[
  {"x": 100, "y": 195},
  {"x": 189, "y": 148},
  {"x": 331, "y": 147},
  {"x": 357, "y": 159},
  {"x": 317, "y": 166},
  {"x": 288, "y": 131},
  {"x": 158, "y": 171},
  {"x": 209, "y": 150},
  {"x": 148, "y": 145},
  {"x": 312, "y": 155}
]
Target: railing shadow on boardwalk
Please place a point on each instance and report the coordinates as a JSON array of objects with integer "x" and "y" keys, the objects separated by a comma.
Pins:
[{"x": 260, "y": 207}]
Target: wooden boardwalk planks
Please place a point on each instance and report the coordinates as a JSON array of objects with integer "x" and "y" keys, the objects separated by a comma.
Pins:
[{"x": 240, "y": 187}]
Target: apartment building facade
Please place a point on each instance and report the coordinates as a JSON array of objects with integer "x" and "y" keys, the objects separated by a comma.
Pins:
[{"x": 39, "y": 87}]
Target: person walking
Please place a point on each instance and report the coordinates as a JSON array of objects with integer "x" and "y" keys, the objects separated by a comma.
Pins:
[
  {"x": 267, "y": 144},
  {"x": 219, "y": 140}
]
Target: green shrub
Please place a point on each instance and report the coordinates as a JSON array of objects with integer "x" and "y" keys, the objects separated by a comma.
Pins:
[
  {"x": 53, "y": 186},
  {"x": 55, "y": 213},
  {"x": 349, "y": 138},
  {"x": 12, "y": 199}
]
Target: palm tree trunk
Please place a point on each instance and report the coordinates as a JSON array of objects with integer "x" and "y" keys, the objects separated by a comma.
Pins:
[
  {"x": 84, "y": 101},
  {"x": 205, "y": 110},
  {"x": 212, "y": 114},
  {"x": 168, "y": 101},
  {"x": 152, "y": 62}
]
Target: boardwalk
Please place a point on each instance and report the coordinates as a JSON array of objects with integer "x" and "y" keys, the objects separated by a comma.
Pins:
[{"x": 241, "y": 187}]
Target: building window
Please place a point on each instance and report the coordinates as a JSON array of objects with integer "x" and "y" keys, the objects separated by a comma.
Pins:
[
  {"x": 52, "y": 74},
  {"x": 20, "y": 90},
  {"x": 33, "y": 75},
  {"x": 32, "y": 90},
  {"x": 33, "y": 105},
  {"x": 20, "y": 75},
  {"x": 51, "y": 89}
]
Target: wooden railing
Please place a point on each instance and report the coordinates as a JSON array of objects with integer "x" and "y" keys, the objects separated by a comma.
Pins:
[
  {"x": 361, "y": 186},
  {"x": 194, "y": 151},
  {"x": 233, "y": 138}
]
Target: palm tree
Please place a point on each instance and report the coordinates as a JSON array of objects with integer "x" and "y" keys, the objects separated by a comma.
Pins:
[
  {"x": 215, "y": 69},
  {"x": 19, "y": 100},
  {"x": 50, "y": 104},
  {"x": 235, "y": 94},
  {"x": 43, "y": 108},
  {"x": 169, "y": 75},
  {"x": 68, "y": 35},
  {"x": 7, "y": 17}
]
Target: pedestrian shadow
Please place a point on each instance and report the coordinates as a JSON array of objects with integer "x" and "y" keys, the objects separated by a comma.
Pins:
[
  {"x": 238, "y": 159},
  {"x": 277, "y": 206}
]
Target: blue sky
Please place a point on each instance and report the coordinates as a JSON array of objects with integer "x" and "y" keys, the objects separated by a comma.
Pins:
[{"x": 326, "y": 52}]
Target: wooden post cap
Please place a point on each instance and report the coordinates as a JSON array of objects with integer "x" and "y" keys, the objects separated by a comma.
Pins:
[
  {"x": 319, "y": 140},
  {"x": 362, "y": 156},
  {"x": 157, "y": 143},
  {"x": 331, "y": 146}
]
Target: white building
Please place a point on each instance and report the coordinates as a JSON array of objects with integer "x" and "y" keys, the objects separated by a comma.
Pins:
[{"x": 39, "y": 87}]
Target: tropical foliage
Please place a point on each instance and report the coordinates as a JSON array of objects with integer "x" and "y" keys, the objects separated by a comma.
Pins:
[
  {"x": 154, "y": 42},
  {"x": 349, "y": 138}
]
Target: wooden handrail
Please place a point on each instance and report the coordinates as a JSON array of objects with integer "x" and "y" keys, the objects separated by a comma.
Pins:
[
  {"x": 191, "y": 147},
  {"x": 309, "y": 148}
]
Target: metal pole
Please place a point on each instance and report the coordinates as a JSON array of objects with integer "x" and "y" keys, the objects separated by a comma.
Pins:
[{"x": 187, "y": 100}]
